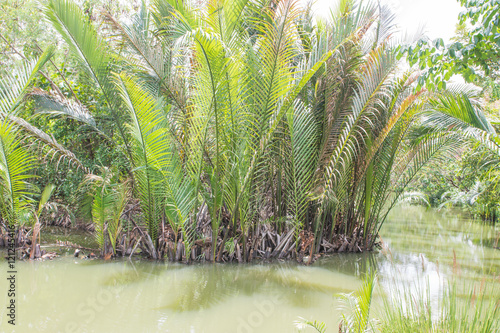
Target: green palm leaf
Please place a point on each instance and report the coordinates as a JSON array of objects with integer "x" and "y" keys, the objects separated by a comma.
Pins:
[
  {"x": 91, "y": 52},
  {"x": 16, "y": 163},
  {"x": 14, "y": 87},
  {"x": 151, "y": 152}
]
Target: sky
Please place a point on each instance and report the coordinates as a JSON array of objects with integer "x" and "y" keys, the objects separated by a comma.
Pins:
[{"x": 438, "y": 17}]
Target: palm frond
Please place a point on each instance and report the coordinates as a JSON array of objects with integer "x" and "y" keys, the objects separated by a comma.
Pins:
[
  {"x": 303, "y": 323},
  {"x": 107, "y": 203},
  {"x": 450, "y": 111},
  {"x": 45, "y": 197},
  {"x": 359, "y": 305},
  {"x": 55, "y": 149},
  {"x": 46, "y": 103},
  {"x": 90, "y": 51},
  {"x": 16, "y": 163},
  {"x": 14, "y": 86},
  {"x": 151, "y": 153}
]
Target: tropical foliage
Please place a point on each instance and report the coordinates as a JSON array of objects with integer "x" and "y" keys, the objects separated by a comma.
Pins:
[
  {"x": 412, "y": 309},
  {"x": 107, "y": 203},
  {"x": 17, "y": 163},
  {"x": 15, "y": 166},
  {"x": 475, "y": 311},
  {"x": 248, "y": 128},
  {"x": 475, "y": 55}
]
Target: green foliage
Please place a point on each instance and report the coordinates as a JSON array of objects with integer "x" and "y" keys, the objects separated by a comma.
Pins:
[
  {"x": 478, "y": 55},
  {"x": 495, "y": 92},
  {"x": 408, "y": 312},
  {"x": 16, "y": 163},
  {"x": 14, "y": 86},
  {"x": 151, "y": 152},
  {"x": 463, "y": 183},
  {"x": 247, "y": 110},
  {"x": 469, "y": 182},
  {"x": 22, "y": 29},
  {"x": 359, "y": 304},
  {"x": 45, "y": 197},
  {"x": 411, "y": 309},
  {"x": 492, "y": 89},
  {"x": 303, "y": 323},
  {"x": 90, "y": 51},
  {"x": 107, "y": 203}
]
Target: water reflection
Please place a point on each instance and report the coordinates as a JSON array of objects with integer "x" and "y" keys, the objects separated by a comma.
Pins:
[{"x": 75, "y": 295}]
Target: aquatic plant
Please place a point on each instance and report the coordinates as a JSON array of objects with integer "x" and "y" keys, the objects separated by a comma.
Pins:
[
  {"x": 476, "y": 311},
  {"x": 355, "y": 308},
  {"x": 107, "y": 201},
  {"x": 252, "y": 121},
  {"x": 16, "y": 160},
  {"x": 413, "y": 310},
  {"x": 237, "y": 105},
  {"x": 16, "y": 163},
  {"x": 359, "y": 305}
]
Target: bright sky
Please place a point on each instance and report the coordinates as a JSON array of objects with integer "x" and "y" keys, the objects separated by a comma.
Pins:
[{"x": 438, "y": 17}]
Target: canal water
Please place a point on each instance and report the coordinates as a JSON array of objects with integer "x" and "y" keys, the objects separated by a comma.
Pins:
[{"x": 68, "y": 294}]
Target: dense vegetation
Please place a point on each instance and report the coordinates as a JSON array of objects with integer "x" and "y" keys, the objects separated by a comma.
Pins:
[
  {"x": 412, "y": 309},
  {"x": 472, "y": 181},
  {"x": 226, "y": 130}
]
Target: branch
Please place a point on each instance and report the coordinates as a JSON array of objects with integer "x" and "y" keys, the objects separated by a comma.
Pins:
[{"x": 54, "y": 86}]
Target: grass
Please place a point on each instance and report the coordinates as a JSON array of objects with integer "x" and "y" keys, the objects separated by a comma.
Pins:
[
  {"x": 457, "y": 307},
  {"x": 452, "y": 311}
]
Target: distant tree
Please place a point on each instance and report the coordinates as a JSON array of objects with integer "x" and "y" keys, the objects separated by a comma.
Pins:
[
  {"x": 23, "y": 31},
  {"x": 474, "y": 53}
]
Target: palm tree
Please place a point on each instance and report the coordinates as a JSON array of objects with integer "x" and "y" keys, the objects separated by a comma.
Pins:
[
  {"x": 15, "y": 166},
  {"x": 248, "y": 120},
  {"x": 108, "y": 200},
  {"x": 16, "y": 161},
  {"x": 459, "y": 114}
]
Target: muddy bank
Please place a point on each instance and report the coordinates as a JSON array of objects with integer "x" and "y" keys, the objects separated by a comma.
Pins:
[{"x": 264, "y": 243}]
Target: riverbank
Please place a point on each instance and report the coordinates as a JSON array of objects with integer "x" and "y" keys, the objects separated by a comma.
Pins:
[{"x": 143, "y": 295}]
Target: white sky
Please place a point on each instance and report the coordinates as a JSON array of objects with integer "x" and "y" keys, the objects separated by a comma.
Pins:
[{"x": 438, "y": 17}]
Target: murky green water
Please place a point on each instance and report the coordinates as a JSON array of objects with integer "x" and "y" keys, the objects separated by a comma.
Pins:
[{"x": 71, "y": 294}]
